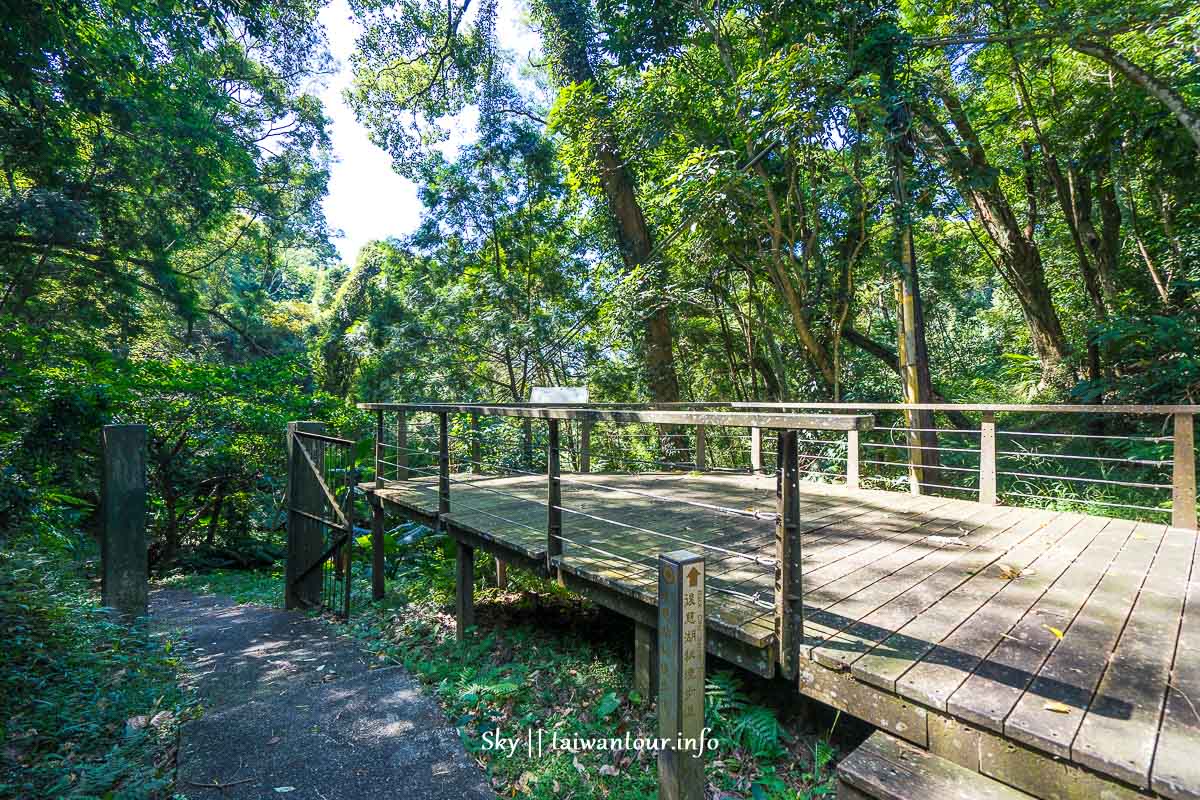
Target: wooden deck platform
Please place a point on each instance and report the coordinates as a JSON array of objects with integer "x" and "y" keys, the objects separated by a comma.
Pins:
[{"x": 1056, "y": 652}]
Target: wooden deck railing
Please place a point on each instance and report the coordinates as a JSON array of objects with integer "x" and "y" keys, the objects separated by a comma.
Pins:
[
  {"x": 1106, "y": 458},
  {"x": 1121, "y": 460}
]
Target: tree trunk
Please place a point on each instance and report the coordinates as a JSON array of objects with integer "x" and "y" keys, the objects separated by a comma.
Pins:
[
  {"x": 1188, "y": 118},
  {"x": 915, "y": 381},
  {"x": 215, "y": 520},
  {"x": 570, "y": 36},
  {"x": 1020, "y": 259}
]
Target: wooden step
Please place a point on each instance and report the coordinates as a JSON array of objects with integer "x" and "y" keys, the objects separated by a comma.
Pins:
[{"x": 885, "y": 768}]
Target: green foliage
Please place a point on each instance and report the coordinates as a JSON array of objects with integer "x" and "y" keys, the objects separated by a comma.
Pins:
[{"x": 88, "y": 707}]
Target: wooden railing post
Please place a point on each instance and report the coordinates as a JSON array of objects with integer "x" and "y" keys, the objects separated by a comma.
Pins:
[
  {"x": 377, "y": 546},
  {"x": 681, "y": 652},
  {"x": 789, "y": 609},
  {"x": 379, "y": 455},
  {"x": 1183, "y": 473},
  {"x": 701, "y": 454},
  {"x": 756, "y": 460},
  {"x": 553, "y": 496},
  {"x": 852, "y": 451},
  {"x": 443, "y": 463},
  {"x": 476, "y": 460},
  {"x": 305, "y": 540},
  {"x": 645, "y": 660},
  {"x": 402, "y": 445},
  {"x": 123, "y": 556},
  {"x": 585, "y": 446},
  {"x": 464, "y": 589},
  {"x": 987, "y": 459}
]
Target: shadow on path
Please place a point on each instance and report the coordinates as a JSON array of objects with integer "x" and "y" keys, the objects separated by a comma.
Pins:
[{"x": 287, "y": 704}]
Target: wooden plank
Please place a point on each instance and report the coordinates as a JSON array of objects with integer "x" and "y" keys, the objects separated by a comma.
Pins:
[
  {"x": 1074, "y": 668},
  {"x": 1176, "y": 771},
  {"x": 1119, "y": 733},
  {"x": 885, "y": 711},
  {"x": 990, "y": 693},
  {"x": 943, "y": 668},
  {"x": 1060, "y": 408},
  {"x": 870, "y": 531},
  {"x": 862, "y": 620},
  {"x": 834, "y": 580},
  {"x": 1032, "y": 771},
  {"x": 820, "y": 422},
  {"x": 884, "y": 664},
  {"x": 886, "y": 768}
]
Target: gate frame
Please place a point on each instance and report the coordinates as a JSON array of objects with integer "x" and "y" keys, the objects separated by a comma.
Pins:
[{"x": 308, "y": 497}]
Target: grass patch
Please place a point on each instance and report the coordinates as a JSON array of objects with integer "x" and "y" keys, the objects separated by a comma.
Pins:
[
  {"x": 88, "y": 707},
  {"x": 263, "y": 588}
]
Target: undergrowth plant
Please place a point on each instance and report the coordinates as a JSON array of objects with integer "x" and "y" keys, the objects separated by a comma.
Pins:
[{"x": 88, "y": 707}]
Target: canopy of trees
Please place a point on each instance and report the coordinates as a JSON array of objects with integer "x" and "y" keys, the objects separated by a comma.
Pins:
[{"x": 673, "y": 201}]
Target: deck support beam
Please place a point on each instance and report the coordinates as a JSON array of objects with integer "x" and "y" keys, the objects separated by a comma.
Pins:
[
  {"x": 1183, "y": 474},
  {"x": 501, "y": 574},
  {"x": 701, "y": 450},
  {"x": 464, "y": 589},
  {"x": 645, "y": 660},
  {"x": 124, "y": 566},
  {"x": 789, "y": 610},
  {"x": 377, "y": 546}
]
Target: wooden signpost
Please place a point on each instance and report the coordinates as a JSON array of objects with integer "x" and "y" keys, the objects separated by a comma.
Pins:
[
  {"x": 123, "y": 558},
  {"x": 681, "y": 675}
]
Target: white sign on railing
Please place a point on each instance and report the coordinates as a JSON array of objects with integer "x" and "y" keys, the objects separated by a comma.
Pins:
[{"x": 559, "y": 394}]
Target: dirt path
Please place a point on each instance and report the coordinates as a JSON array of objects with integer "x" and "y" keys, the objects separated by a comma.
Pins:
[{"x": 287, "y": 704}]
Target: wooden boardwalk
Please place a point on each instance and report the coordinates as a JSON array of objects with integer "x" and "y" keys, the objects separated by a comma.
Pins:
[{"x": 1046, "y": 649}]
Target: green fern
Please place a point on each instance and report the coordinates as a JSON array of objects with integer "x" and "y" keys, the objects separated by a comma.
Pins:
[{"x": 758, "y": 731}]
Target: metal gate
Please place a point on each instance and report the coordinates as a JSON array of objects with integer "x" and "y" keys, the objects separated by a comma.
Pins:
[{"x": 321, "y": 484}]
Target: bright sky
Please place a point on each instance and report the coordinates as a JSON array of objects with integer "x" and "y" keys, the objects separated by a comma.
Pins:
[{"x": 367, "y": 199}]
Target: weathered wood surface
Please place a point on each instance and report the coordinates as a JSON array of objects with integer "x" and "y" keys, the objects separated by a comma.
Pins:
[
  {"x": 885, "y": 768},
  {"x": 124, "y": 565},
  {"x": 826, "y": 422},
  {"x": 985, "y": 613}
]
